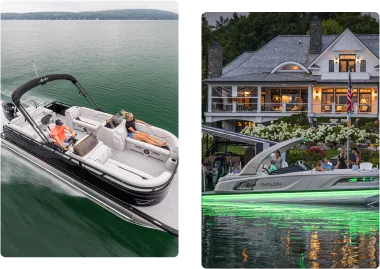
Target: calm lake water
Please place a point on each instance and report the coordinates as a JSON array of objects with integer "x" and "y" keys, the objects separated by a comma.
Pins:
[
  {"x": 131, "y": 65},
  {"x": 243, "y": 235}
]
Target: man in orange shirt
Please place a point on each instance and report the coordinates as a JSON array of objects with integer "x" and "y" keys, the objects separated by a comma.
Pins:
[{"x": 58, "y": 133}]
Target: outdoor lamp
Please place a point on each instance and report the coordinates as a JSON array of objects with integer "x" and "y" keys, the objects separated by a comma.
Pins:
[{"x": 357, "y": 60}]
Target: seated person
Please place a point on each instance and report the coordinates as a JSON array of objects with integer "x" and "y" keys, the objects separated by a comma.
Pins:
[
  {"x": 326, "y": 165},
  {"x": 134, "y": 134},
  {"x": 272, "y": 166},
  {"x": 59, "y": 135},
  {"x": 319, "y": 166},
  {"x": 236, "y": 169}
]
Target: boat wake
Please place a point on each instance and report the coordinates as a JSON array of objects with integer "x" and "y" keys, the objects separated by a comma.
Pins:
[{"x": 14, "y": 168}]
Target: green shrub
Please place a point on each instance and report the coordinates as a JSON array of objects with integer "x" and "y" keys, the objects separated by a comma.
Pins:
[
  {"x": 296, "y": 155},
  {"x": 296, "y": 119},
  {"x": 373, "y": 138},
  {"x": 366, "y": 155}
]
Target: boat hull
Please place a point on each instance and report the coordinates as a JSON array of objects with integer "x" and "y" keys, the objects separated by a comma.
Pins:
[
  {"x": 336, "y": 197},
  {"x": 115, "y": 200}
]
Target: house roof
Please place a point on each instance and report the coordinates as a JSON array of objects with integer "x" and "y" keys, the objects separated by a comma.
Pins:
[
  {"x": 255, "y": 66},
  {"x": 287, "y": 77},
  {"x": 266, "y": 77}
]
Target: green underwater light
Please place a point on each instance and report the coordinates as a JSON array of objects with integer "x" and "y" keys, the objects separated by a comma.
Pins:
[
  {"x": 287, "y": 195},
  {"x": 358, "y": 220}
]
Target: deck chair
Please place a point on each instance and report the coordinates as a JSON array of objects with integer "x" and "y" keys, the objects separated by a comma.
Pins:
[{"x": 366, "y": 166}]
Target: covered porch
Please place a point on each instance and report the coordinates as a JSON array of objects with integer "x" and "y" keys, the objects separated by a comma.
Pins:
[
  {"x": 332, "y": 100},
  {"x": 259, "y": 98},
  {"x": 265, "y": 102}
]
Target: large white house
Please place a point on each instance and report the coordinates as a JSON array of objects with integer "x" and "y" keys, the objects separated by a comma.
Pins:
[{"x": 293, "y": 74}]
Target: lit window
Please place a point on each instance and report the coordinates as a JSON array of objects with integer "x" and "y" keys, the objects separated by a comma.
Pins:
[{"x": 290, "y": 67}]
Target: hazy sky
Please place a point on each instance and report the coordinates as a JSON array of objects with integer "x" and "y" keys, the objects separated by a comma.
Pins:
[{"x": 78, "y": 6}]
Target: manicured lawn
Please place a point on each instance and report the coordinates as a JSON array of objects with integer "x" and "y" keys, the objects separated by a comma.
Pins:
[{"x": 331, "y": 153}]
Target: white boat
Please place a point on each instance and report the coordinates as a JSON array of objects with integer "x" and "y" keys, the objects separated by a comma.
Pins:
[
  {"x": 135, "y": 180},
  {"x": 297, "y": 183}
]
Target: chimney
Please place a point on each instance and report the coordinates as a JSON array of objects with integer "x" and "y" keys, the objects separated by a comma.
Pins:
[
  {"x": 315, "y": 35},
  {"x": 215, "y": 59}
]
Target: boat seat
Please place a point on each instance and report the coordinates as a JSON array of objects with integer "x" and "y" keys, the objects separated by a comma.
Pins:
[
  {"x": 23, "y": 126},
  {"x": 366, "y": 166},
  {"x": 81, "y": 117},
  {"x": 102, "y": 160}
]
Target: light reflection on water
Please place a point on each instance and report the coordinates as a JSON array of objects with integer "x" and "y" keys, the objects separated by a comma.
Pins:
[{"x": 288, "y": 236}]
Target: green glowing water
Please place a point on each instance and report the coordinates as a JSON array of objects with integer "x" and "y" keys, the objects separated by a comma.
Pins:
[{"x": 290, "y": 236}]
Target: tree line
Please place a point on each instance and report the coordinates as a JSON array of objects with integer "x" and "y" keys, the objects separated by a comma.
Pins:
[{"x": 250, "y": 32}]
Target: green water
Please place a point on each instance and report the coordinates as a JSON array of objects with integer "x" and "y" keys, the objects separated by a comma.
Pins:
[
  {"x": 131, "y": 65},
  {"x": 254, "y": 235}
]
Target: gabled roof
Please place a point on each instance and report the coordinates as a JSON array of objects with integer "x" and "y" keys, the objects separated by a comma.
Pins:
[
  {"x": 368, "y": 38},
  {"x": 257, "y": 65}
]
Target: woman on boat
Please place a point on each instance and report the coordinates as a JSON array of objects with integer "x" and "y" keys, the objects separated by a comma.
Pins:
[
  {"x": 272, "y": 166},
  {"x": 354, "y": 159},
  {"x": 341, "y": 163},
  {"x": 319, "y": 166},
  {"x": 277, "y": 158},
  {"x": 134, "y": 134}
]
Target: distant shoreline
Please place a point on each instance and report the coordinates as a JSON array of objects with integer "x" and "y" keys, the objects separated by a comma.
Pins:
[
  {"x": 89, "y": 20},
  {"x": 123, "y": 14}
]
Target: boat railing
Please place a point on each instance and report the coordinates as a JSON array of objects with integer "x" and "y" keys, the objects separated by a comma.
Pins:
[{"x": 55, "y": 149}]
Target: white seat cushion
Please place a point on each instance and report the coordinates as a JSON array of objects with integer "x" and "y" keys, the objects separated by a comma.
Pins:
[
  {"x": 85, "y": 118},
  {"x": 101, "y": 154},
  {"x": 130, "y": 169}
]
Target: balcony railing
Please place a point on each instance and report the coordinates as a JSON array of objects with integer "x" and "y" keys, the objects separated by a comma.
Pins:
[
  {"x": 284, "y": 107},
  {"x": 221, "y": 107},
  {"x": 334, "y": 108},
  {"x": 243, "y": 107}
]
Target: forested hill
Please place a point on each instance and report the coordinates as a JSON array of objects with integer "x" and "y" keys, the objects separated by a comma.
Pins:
[{"x": 123, "y": 14}]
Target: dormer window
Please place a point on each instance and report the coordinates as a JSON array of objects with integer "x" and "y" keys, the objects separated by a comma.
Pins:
[
  {"x": 347, "y": 62},
  {"x": 290, "y": 67}
]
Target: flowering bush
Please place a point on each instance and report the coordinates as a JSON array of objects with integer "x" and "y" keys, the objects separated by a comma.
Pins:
[
  {"x": 372, "y": 127},
  {"x": 326, "y": 133},
  {"x": 312, "y": 155}
]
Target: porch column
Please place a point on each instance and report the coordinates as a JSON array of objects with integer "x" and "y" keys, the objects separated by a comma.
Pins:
[
  {"x": 209, "y": 98},
  {"x": 310, "y": 99},
  {"x": 333, "y": 108},
  {"x": 234, "y": 95},
  {"x": 356, "y": 106},
  {"x": 258, "y": 99}
]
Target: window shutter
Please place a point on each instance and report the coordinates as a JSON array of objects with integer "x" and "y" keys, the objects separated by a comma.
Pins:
[
  {"x": 363, "y": 66},
  {"x": 331, "y": 65}
]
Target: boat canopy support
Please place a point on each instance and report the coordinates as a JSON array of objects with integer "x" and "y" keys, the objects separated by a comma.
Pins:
[{"x": 40, "y": 81}]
